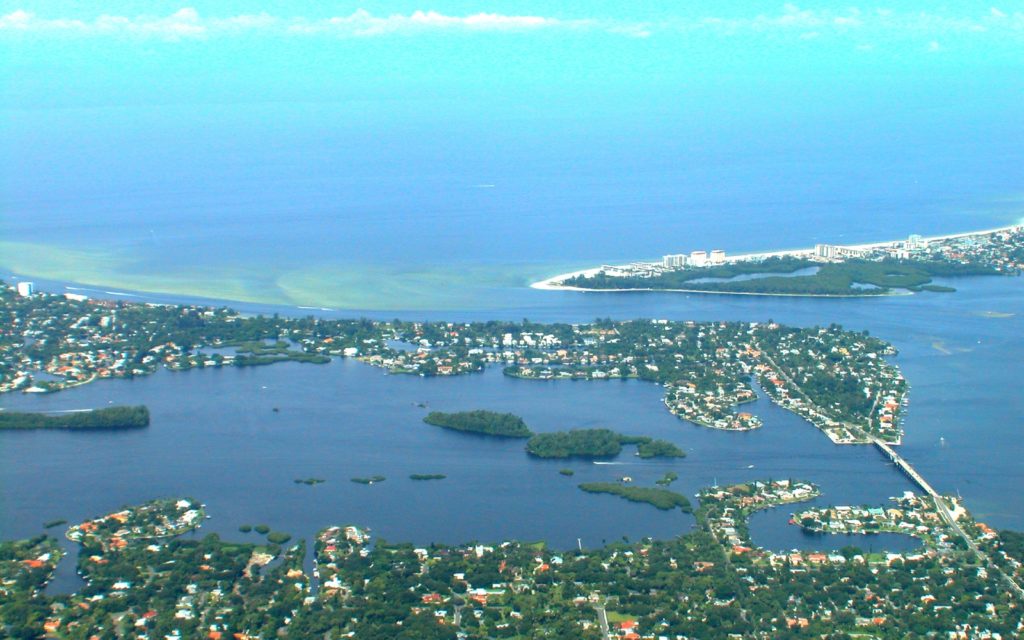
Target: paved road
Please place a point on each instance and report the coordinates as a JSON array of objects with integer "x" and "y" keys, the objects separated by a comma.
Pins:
[{"x": 602, "y": 619}]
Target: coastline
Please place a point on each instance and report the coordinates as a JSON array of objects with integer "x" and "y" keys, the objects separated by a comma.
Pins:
[{"x": 552, "y": 283}]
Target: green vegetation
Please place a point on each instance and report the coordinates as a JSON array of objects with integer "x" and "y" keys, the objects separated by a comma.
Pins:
[
  {"x": 427, "y": 476},
  {"x": 583, "y": 443},
  {"x": 256, "y": 353},
  {"x": 660, "y": 498},
  {"x": 505, "y": 425},
  {"x": 106, "y": 418},
  {"x": 1012, "y": 544},
  {"x": 667, "y": 479},
  {"x": 851, "y": 277},
  {"x": 54, "y": 523},
  {"x": 659, "y": 449},
  {"x": 245, "y": 528},
  {"x": 370, "y": 480},
  {"x": 262, "y": 529},
  {"x": 309, "y": 481},
  {"x": 566, "y": 472},
  {"x": 277, "y": 537},
  {"x": 597, "y": 443}
]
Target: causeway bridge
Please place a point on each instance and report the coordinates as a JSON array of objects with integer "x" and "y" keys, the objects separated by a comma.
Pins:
[
  {"x": 905, "y": 467},
  {"x": 943, "y": 509}
]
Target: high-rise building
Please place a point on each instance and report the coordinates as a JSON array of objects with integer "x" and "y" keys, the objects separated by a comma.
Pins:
[
  {"x": 827, "y": 251},
  {"x": 915, "y": 242},
  {"x": 674, "y": 261},
  {"x": 699, "y": 258},
  {"x": 26, "y": 289},
  {"x": 717, "y": 257}
]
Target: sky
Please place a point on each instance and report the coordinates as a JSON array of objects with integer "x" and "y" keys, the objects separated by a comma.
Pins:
[{"x": 583, "y": 52}]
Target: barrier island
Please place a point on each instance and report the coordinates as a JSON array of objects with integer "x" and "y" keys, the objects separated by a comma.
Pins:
[{"x": 881, "y": 268}]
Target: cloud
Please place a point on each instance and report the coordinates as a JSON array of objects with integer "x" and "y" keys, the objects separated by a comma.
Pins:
[
  {"x": 188, "y": 23},
  {"x": 799, "y": 22}
]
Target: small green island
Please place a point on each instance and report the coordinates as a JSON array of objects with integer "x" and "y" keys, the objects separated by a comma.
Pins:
[
  {"x": 427, "y": 476},
  {"x": 597, "y": 443},
  {"x": 667, "y": 479},
  {"x": 256, "y": 354},
  {"x": 309, "y": 481},
  {"x": 661, "y": 498},
  {"x": 370, "y": 480},
  {"x": 278, "y": 537},
  {"x": 490, "y": 423},
  {"x": 120, "y": 417}
]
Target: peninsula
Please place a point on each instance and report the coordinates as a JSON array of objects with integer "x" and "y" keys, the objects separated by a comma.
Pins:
[{"x": 882, "y": 268}]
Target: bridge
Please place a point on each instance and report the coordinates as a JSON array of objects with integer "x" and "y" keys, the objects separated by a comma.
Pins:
[
  {"x": 943, "y": 509},
  {"x": 905, "y": 467}
]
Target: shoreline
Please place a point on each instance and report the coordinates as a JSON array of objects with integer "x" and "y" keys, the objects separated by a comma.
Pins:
[{"x": 552, "y": 283}]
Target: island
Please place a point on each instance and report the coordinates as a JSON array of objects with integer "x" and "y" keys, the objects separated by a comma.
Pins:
[
  {"x": 661, "y": 498},
  {"x": 427, "y": 476},
  {"x": 597, "y": 443},
  {"x": 828, "y": 270},
  {"x": 309, "y": 481},
  {"x": 667, "y": 479},
  {"x": 490, "y": 423},
  {"x": 106, "y": 418},
  {"x": 369, "y": 480}
]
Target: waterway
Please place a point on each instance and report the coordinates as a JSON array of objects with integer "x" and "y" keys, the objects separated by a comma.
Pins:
[{"x": 215, "y": 437}]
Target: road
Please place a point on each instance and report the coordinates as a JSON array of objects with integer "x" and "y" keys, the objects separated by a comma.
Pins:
[{"x": 602, "y": 619}]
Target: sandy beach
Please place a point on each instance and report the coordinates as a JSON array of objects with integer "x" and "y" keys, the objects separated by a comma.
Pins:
[{"x": 551, "y": 284}]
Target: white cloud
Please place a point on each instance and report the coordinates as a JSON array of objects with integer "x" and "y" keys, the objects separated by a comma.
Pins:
[{"x": 187, "y": 23}]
